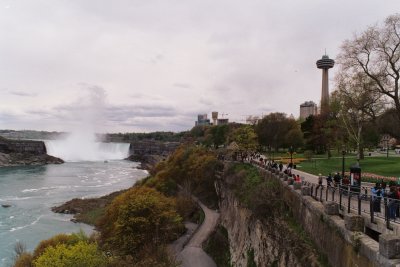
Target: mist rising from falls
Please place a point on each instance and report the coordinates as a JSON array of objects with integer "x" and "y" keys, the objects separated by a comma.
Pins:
[
  {"x": 76, "y": 148},
  {"x": 88, "y": 116}
]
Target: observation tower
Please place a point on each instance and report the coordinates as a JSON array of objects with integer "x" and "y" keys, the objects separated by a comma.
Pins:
[{"x": 325, "y": 63}]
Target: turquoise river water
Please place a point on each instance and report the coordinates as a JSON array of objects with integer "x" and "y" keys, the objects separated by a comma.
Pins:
[{"x": 32, "y": 191}]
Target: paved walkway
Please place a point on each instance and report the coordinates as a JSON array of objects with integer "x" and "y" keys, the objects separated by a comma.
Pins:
[{"x": 193, "y": 255}]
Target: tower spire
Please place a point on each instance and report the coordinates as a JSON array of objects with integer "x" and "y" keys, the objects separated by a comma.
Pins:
[{"x": 325, "y": 63}]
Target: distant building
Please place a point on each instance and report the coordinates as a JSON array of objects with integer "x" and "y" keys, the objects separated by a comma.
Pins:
[
  {"x": 308, "y": 108},
  {"x": 214, "y": 116},
  {"x": 253, "y": 120},
  {"x": 202, "y": 120},
  {"x": 222, "y": 121}
]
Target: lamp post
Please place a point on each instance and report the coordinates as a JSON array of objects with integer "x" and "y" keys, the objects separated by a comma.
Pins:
[{"x": 343, "y": 153}]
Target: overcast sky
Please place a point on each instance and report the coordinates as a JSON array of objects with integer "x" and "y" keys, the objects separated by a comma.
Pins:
[{"x": 150, "y": 65}]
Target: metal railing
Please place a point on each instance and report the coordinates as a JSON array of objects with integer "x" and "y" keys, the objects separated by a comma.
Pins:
[{"x": 352, "y": 199}]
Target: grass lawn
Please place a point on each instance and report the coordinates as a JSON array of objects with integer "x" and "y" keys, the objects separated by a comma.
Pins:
[
  {"x": 389, "y": 167},
  {"x": 284, "y": 154}
]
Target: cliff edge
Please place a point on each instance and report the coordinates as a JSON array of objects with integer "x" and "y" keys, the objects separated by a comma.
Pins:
[{"x": 24, "y": 152}]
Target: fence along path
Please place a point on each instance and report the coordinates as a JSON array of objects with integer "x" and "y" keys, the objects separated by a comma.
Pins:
[{"x": 349, "y": 200}]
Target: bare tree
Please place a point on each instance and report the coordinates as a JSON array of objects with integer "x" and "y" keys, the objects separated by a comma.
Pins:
[
  {"x": 360, "y": 104},
  {"x": 376, "y": 53}
]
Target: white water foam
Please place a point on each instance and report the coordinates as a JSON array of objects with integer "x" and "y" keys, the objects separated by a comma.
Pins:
[
  {"x": 13, "y": 229},
  {"x": 76, "y": 149}
]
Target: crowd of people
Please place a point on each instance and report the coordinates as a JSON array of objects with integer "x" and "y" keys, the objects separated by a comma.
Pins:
[
  {"x": 378, "y": 192},
  {"x": 392, "y": 193}
]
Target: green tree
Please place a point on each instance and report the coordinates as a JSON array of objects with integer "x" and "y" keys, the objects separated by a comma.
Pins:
[
  {"x": 387, "y": 123},
  {"x": 245, "y": 138},
  {"x": 219, "y": 134},
  {"x": 276, "y": 130},
  {"x": 138, "y": 217}
]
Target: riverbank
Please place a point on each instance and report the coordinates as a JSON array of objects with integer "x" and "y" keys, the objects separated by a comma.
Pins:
[
  {"x": 24, "y": 152},
  {"x": 87, "y": 210},
  {"x": 23, "y": 159}
]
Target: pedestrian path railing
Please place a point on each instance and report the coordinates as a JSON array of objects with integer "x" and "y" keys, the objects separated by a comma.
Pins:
[{"x": 351, "y": 199}]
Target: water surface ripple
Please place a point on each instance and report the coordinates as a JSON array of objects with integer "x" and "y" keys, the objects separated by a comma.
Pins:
[{"x": 32, "y": 191}]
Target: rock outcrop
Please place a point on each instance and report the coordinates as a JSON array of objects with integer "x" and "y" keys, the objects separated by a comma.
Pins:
[
  {"x": 152, "y": 147},
  {"x": 24, "y": 152},
  {"x": 150, "y": 152}
]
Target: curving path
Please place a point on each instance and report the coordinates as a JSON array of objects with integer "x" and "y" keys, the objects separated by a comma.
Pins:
[{"x": 193, "y": 255}]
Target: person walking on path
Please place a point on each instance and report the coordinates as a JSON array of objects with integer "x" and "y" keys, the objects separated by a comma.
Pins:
[{"x": 280, "y": 167}]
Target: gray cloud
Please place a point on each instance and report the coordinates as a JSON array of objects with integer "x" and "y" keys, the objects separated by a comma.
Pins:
[
  {"x": 182, "y": 85},
  {"x": 22, "y": 93},
  {"x": 161, "y": 62}
]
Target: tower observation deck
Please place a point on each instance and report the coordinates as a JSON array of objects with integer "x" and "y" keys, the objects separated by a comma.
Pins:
[{"x": 325, "y": 63}]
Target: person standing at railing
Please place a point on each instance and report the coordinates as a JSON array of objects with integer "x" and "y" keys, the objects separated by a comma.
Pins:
[
  {"x": 392, "y": 205},
  {"x": 376, "y": 192},
  {"x": 329, "y": 180},
  {"x": 320, "y": 179},
  {"x": 398, "y": 199},
  {"x": 336, "y": 179}
]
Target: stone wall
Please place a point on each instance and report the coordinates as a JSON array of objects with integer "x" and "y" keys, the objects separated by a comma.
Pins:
[{"x": 342, "y": 245}]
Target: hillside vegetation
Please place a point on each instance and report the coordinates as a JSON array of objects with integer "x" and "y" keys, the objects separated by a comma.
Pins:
[{"x": 136, "y": 225}]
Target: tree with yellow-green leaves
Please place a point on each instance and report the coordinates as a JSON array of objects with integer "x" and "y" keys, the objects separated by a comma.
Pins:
[
  {"x": 139, "y": 217},
  {"x": 82, "y": 254},
  {"x": 63, "y": 251},
  {"x": 245, "y": 138}
]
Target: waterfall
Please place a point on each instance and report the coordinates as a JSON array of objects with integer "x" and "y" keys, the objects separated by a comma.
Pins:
[{"x": 73, "y": 149}]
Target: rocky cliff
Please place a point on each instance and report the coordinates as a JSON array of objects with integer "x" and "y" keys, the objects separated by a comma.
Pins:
[
  {"x": 150, "y": 152},
  {"x": 262, "y": 242},
  {"x": 306, "y": 232},
  {"x": 152, "y": 147},
  {"x": 24, "y": 152}
]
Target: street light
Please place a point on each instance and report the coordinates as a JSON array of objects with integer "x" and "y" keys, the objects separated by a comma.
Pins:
[{"x": 343, "y": 153}]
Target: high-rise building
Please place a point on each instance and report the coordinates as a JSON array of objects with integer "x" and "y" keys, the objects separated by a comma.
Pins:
[
  {"x": 325, "y": 63},
  {"x": 308, "y": 108},
  {"x": 202, "y": 120}
]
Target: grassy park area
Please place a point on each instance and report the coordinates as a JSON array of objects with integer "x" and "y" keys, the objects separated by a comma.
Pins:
[{"x": 382, "y": 166}]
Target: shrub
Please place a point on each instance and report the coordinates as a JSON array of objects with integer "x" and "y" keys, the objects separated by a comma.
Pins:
[
  {"x": 23, "y": 260},
  {"x": 82, "y": 254},
  {"x": 57, "y": 240}
]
